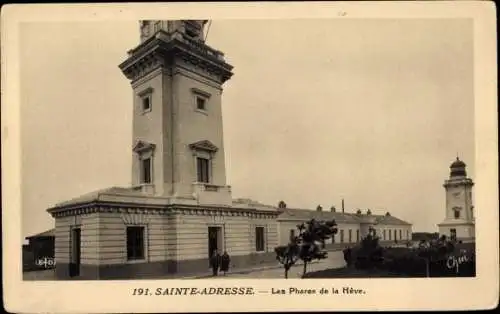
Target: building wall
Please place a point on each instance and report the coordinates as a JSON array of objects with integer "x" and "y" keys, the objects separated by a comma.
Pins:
[
  {"x": 173, "y": 243},
  {"x": 238, "y": 233},
  {"x": 111, "y": 245},
  {"x": 406, "y": 231},
  {"x": 284, "y": 228},
  {"x": 462, "y": 231},
  {"x": 345, "y": 227},
  {"x": 149, "y": 127},
  {"x": 192, "y": 125},
  {"x": 459, "y": 196},
  {"x": 89, "y": 225},
  {"x": 286, "y": 225}
]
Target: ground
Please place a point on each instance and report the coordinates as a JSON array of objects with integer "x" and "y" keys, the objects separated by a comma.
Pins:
[
  {"x": 335, "y": 260},
  {"x": 345, "y": 272}
]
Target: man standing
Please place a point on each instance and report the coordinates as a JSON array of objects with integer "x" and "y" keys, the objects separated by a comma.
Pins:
[{"x": 215, "y": 262}]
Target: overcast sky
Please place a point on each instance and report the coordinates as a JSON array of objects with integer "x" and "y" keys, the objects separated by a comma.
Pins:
[{"x": 372, "y": 111}]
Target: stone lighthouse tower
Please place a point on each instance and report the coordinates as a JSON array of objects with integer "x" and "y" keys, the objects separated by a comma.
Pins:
[
  {"x": 177, "y": 79},
  {"x": 459, "y": 216}
]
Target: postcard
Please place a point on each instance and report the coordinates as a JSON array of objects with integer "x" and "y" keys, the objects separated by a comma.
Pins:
[{"x": 229, "y": 157}]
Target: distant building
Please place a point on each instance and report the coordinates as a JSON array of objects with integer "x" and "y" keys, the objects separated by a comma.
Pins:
[
  {"x": 39, "y": 246},
  {"x": 352, "y": 227},
  {"x": 459, "y": 222}
]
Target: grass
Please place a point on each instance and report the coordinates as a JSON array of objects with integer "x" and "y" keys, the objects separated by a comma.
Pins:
[
  {"x": 396, "y": 253},
  {"x": 347, "y": 272}
]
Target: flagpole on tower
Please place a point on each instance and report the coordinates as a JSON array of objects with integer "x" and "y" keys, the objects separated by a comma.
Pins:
[{"x": 208, "y": 29}]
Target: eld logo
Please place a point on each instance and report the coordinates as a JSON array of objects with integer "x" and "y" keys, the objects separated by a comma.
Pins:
[{"x": 45, "y": 262}]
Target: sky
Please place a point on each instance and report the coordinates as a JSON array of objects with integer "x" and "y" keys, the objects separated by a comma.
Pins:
[{"x": 372, "y": 111}]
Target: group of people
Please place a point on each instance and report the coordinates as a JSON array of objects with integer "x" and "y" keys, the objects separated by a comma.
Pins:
[{"x": 219, "y": 262}]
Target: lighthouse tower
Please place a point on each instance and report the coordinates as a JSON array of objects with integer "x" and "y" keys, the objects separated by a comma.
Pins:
[
  {"x": 459, "y": 216},
  {"x": 177, "y": 82}
]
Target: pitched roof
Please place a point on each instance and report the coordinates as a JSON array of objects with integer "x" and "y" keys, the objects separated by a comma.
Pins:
[
  {"x": 97, "y": 195},
  {"x": 48, "y": 233},
  {"x": 306, "y": 214},
  {"x": 247, "y": 202},
  {"x": 390, "y": 220}
]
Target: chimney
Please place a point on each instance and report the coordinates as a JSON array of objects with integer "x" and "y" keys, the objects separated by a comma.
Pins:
[
  {"x": 342, "y": 205},
  {"x": 333, "y": 209},
  {"x": 319, "y": 208}
]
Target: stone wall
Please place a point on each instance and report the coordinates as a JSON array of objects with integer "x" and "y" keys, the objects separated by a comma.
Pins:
[{"x": 173, "y": 242}]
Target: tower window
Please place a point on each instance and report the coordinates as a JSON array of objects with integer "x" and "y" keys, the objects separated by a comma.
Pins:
[
  {"x": 203, "y": 167},
  {"x": 201, "y": 103},
  {"x": 135, "y": 243},
  {"x": 146, "y": 103},
  {"x": 146, "y": 166},
  {"x": 457, "y": 214},
  {"x": 146, "y": 99},
  {"x": 200, "y": 99}
]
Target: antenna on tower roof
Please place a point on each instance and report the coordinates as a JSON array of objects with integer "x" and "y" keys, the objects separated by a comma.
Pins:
[{"x": 208, "y": 29}]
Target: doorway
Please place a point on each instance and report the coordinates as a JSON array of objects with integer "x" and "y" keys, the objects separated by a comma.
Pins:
[
  {"x": 74, "y": 265},
  {"x": 215, "y": 240},
  {"x": 453, "y": 234}
]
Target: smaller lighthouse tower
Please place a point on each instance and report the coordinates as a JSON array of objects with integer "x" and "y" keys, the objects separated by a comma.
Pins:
[{"x": 459, "y": 216}]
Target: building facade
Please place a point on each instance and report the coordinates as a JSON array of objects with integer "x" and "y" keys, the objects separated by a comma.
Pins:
[
  {"x": 459, "y": 221},
  {"x": 352, "y": 227},
  {"x": 179, "y": 209}
]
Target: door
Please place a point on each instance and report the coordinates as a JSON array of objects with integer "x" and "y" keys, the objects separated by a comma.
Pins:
[
  {"x": 212, "y": 240},
  {"x": 74, "y": 265}
]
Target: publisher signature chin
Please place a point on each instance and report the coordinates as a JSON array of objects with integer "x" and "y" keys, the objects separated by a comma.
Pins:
[{"x": 454, "y": 262}]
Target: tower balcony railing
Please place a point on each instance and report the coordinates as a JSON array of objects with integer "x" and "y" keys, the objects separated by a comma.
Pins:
[
  {"x": 200, "y": 46},
  {"x": 207, "y": 193}
]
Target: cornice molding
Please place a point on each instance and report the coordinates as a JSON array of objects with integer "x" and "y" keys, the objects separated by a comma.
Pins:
[
  {"x": 457, "y": 183},
  {"x": 200, "y": 92},
  {"x": 157, "y": 52},
  {"x": 204, "y": 145},
  {"x": 127, "y": 209},
  {"x": 141, "y": 146}
]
